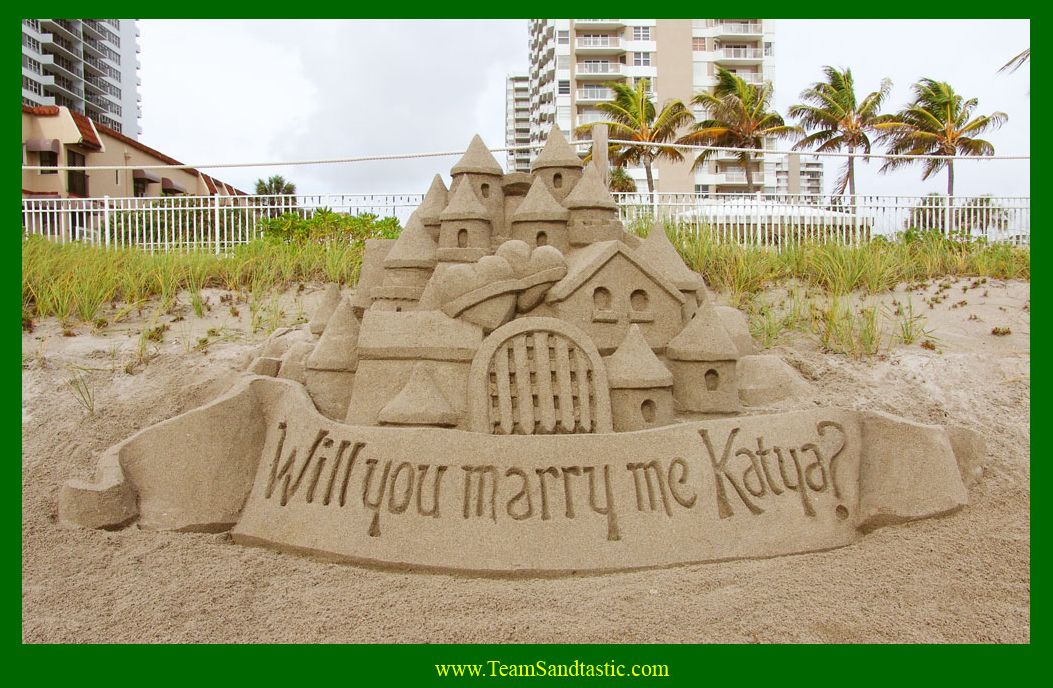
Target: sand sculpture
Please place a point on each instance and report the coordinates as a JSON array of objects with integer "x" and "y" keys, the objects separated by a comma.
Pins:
[{"x": 517, "y": 384}]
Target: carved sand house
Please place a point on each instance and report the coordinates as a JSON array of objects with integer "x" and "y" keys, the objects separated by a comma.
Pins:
[{"x": 517, "y": 384}]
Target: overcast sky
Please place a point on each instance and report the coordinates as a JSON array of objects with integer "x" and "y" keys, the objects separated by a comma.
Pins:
[{"x": 239, "y": 91}]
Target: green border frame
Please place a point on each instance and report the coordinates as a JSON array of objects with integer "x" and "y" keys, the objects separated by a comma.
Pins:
[{"x": 414, "y": 664}]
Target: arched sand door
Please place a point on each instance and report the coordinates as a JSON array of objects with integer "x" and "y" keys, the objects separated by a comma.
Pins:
[{"x": 538, "y": 376}]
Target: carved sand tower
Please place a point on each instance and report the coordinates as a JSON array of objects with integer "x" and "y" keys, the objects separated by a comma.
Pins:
[{"x": 519, "y": 385}]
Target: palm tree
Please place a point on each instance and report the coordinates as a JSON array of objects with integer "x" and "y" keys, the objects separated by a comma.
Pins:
[
  {"x": 937, "y": 122},
  {"x": 631, "y": 116},
  {"x": 1018, "y": 61},
  {"x": 839, "y": 121},
  {"x": 620, "y": 181},
  {"x": 274, "y": 186},
  {"x": 738, "y": 117}
]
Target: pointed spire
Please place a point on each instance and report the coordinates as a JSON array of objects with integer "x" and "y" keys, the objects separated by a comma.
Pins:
[
  {"x": 660, "y": 253},
  {"x": 464, "y": 205},
  {"x": 420, "y": 402},
  {"x": 477, "y": 160},
  {"x": 414, "y": 248},
  {"x": 634, "y": 365},
  {"x": 704, "y": 339},
  {"x": 590, "y": 191},
  {"x": 539, "y": 205},
  {"x": 556, "y": 153},
  {"x": 434, "y": 201},
  {"x": 338, "y": 347},
  {"x": 330, "y": 300}
]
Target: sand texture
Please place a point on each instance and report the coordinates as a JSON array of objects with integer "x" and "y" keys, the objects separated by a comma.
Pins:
[{"x": 962, "y": 578}]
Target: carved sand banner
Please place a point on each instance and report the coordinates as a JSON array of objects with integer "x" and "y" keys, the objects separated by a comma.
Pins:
[{"x": 445, "y": 499}]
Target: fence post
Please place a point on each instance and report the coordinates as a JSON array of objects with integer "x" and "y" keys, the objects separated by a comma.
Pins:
[
  {"x": 215, "y": 222},
  {"x": 106, "y": 220}
]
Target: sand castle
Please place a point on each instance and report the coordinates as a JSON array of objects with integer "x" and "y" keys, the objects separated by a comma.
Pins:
[{"x": 518, "y": 384}]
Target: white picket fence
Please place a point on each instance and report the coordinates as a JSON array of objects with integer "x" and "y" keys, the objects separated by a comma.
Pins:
[{"x": 220, "y": 222}]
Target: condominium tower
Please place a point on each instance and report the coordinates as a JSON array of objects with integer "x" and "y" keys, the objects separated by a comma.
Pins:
[
  {"x": 517, "y": 120},
  {"x": 572, "y": 59},
  {"x": 88, "y": 65}
]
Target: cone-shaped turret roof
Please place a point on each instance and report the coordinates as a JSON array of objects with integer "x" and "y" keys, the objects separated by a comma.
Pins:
[
  {"x": 477, "y": 160},
  {"x": 556, "y": 153},
  {"x": 433, "y": 203},
  {"x": 590, "y": 191},
  {"x": 634, "y": 365},
  {"x": 704, "y": 339},
  {"x": 657, "y": 250},
  {"x": 330, "y": 300},
  {"x": 338, "y": 347},
  {"x": 420, "y": 402},
  {"x": 464, "y": 205},
  {"x": 540, "y": 205},
  {"x": 414, "y": 248}
]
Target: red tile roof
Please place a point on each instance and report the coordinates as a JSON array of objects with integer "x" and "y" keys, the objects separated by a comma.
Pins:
[
  {"x": 88, "y": 136},
  {"x": 41, "y": 110},
  {"x": 84, "y": 125}
]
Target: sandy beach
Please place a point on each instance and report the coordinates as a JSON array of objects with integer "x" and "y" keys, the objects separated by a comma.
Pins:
[{"x": 962, "y": 578}]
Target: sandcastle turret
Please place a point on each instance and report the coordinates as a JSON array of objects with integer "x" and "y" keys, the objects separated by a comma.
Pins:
[
  {"x": 479, "y": 168},
  {"x": 703, "y": 361},
  {"x": 330, "y": 367},
  {"x": 657, "y": 250},
  {"x": 420, "y": 402},
  {"x": 465, "y": 227},
  {"x": 432, "y": 205},
  {"x": 407, "y": 268},
  {"x": 641, "y": 387},
  {"x": 557, "y": 165},
  {"x": 593, "y": 212},
  {"x": 540, "y": 220}
]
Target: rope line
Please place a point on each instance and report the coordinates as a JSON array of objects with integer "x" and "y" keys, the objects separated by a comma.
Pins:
[{"x": 441, "y": 154}]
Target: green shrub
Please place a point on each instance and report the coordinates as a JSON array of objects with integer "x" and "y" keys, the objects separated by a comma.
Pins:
[{"x": 325, "y": 226}]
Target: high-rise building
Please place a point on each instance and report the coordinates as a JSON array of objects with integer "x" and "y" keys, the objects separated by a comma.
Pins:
[
  {"x": 517, "y": 121},
  {"x": 88, "y": 65},
  {"x": 572, "y": 59},
  {"x": 794, "y": 175}
]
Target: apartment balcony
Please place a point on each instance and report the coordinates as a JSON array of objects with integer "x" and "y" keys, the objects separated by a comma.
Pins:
[
  {"x": 92, "y": 47},
  {"x": 599, "y": 23},
  {"x": 61, "y": 67},
  {"x": 598, "y": 45},
  {"x": 62, "y": 48},
  {"x": 94, "y": 27},
  {"x": 95, "y": 64},
  {"x": 739, "y": 56},
  {"x": 68, "y": 88},
  {"x": 598, "y": 70},
  {"x": 594, "y": 95},
  {"x": 61, "y": 27},
  {"x": 730, "y": 28}
]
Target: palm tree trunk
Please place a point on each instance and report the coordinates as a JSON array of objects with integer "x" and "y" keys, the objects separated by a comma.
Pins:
[
  {"x": 749, "y": 177},
  {"x": 950, "y": 197},
  {"x": 650, "y": 178},
  {"x": 950, "y": 178}
]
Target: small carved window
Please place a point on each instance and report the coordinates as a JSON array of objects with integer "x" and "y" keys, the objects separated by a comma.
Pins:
[
  {"x": 712, "y": 380},
  {"x": 647, "y": 410},
  {"x": 462, "y": 238},
  {"x": 542, "y": 239},
  {"x": 485, "y": 190},
  {"x": 603, "y": 306},
  {"x": 557, "y": 181},
  {"x": 640, "y": 307}
]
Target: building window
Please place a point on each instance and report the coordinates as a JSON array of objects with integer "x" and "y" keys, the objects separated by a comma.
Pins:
[
  {"x": 139, "y": 187},
  {"x": 641, "y": 59},
  {"x": 564, "y": 88},
  {"x": 76, "y": 180},
  {"x": 32, "y": 86},
  {"x": 698, "y": 44},
  {"x": 562, "y": 61},
  {"x": 641, "y": 33},
  {"x": 31, "y": 43},
  {"x": 30, "y": 64},
  {"x": 768, "y": 50},
  {"x": 48, "y": 159},
  {"x": 563, "y": 37}
]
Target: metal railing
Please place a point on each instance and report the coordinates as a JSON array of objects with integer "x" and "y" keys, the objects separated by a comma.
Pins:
[
  {"x": 598, "y": 42},
  {"x": 742, "y": 53},
  {"x": 220, "y": 222},
  {"x": 599, "y": 68},
  {"x": 791, "y": 219}
]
